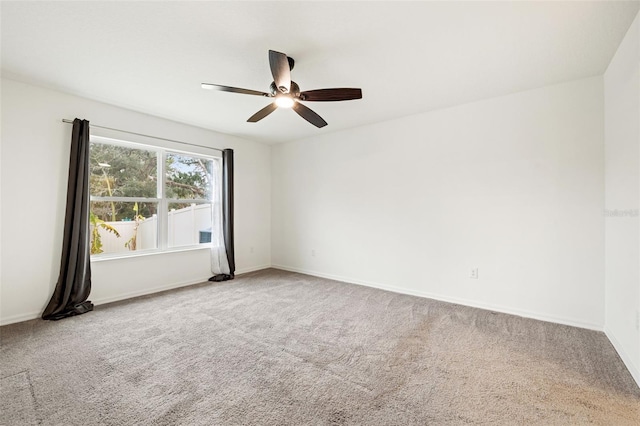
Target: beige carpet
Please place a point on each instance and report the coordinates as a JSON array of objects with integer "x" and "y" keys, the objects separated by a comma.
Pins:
[{"x": 277, "y": 348}]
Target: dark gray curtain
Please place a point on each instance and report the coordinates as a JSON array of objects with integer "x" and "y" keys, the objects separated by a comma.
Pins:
[
  {"x": 227, "y": 207},
  {"x": 227, "y": 214},
  {"x": 74, "y": 282}
]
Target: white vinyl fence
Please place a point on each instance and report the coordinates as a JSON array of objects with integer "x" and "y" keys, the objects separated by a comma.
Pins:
[{"x": 185, "y": 226}]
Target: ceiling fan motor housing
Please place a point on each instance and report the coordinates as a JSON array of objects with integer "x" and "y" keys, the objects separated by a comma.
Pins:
[{"x": 294, "y": 90}]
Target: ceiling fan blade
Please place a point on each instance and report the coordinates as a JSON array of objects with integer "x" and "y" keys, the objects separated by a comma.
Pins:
[
  {"x": 308, "y": 115},
  {"x": 263, "y": 113},
  {"x": 331, "y": 95},
  {"x": 232, "y": 89},
  {"x": 280, "y": 70}
]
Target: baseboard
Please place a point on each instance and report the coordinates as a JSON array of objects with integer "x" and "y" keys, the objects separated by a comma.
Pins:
[
  {"x": 146, "y": 291},
  {"x": 628, "y": 361},
  {"x": 101, "y": 301},
  {"x": 169, "y": 287},
  {"x": 20, "y": 318},
  {"x": 251, "y": 269},
  {"x": 459, "y": 301}
]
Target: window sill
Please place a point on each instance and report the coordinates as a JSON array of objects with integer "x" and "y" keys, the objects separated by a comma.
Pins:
[{"x": 155, "y": 252}]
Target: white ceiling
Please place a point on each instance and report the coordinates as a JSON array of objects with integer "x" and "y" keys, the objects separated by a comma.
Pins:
[{"x": 408, "y": 57}]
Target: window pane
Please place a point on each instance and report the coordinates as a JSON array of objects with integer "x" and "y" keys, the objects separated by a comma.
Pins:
[
  {"x": 188, "y": 177},
  {"x": 117, "y": 171},
  {"x": 189, "y": 224},
  {"x": 123, "y": 227}
]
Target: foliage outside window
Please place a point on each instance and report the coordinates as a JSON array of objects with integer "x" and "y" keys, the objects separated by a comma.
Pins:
[{"x": 148, "y": 198}]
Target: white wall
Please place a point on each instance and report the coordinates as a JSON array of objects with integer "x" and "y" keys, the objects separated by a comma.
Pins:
[
  {"x": 512, "y": 185},
  {"x": 35, "y": 156},
  {"x": 622, "y": 175}
]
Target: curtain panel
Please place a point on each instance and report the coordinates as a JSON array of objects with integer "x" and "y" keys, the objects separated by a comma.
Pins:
[
  {"x": 223, "y": 263},
  {"x": 74, "y": 281}
]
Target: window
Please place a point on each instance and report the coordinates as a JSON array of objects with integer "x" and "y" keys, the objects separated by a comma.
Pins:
[{"x": 145, "y": 198}]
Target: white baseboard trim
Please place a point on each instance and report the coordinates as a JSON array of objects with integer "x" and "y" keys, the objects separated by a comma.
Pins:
[
  {"x": 169, "y": 287},
  {"x": 104, "y": 300},
  {"x": 252, "y": 269},
  {"x": 628, "y": 361},
  {"x": 20, "y": 318},
  {"x": 146, "y": 291},
  {"x": 459, "y": 301}
]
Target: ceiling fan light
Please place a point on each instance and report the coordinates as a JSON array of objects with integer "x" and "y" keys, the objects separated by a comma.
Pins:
[
  {"x": 207, "y": 86},
  {"x": 284, "y": 101}
]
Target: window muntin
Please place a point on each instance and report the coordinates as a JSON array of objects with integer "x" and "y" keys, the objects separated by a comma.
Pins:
[{"x": 147, "y": 198}]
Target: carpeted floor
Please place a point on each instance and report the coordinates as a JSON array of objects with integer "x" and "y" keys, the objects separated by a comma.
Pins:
[{"x": 278, "y": 348}]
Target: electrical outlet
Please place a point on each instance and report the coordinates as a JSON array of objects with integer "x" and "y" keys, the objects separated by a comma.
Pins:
[
  {"x": 250, "y": 249},
  {"x": 473, "y": 274},
  {"x": 313, "y": 253}
]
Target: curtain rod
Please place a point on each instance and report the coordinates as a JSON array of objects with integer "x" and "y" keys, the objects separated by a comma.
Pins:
[{"x": 64, "y": 120}]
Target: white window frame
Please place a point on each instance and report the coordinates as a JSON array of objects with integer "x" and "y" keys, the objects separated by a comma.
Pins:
[{"x": 161, "y": 200}]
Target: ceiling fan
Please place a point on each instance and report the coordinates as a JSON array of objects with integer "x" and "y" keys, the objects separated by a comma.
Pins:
[{"x": 287, "y": 93}]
